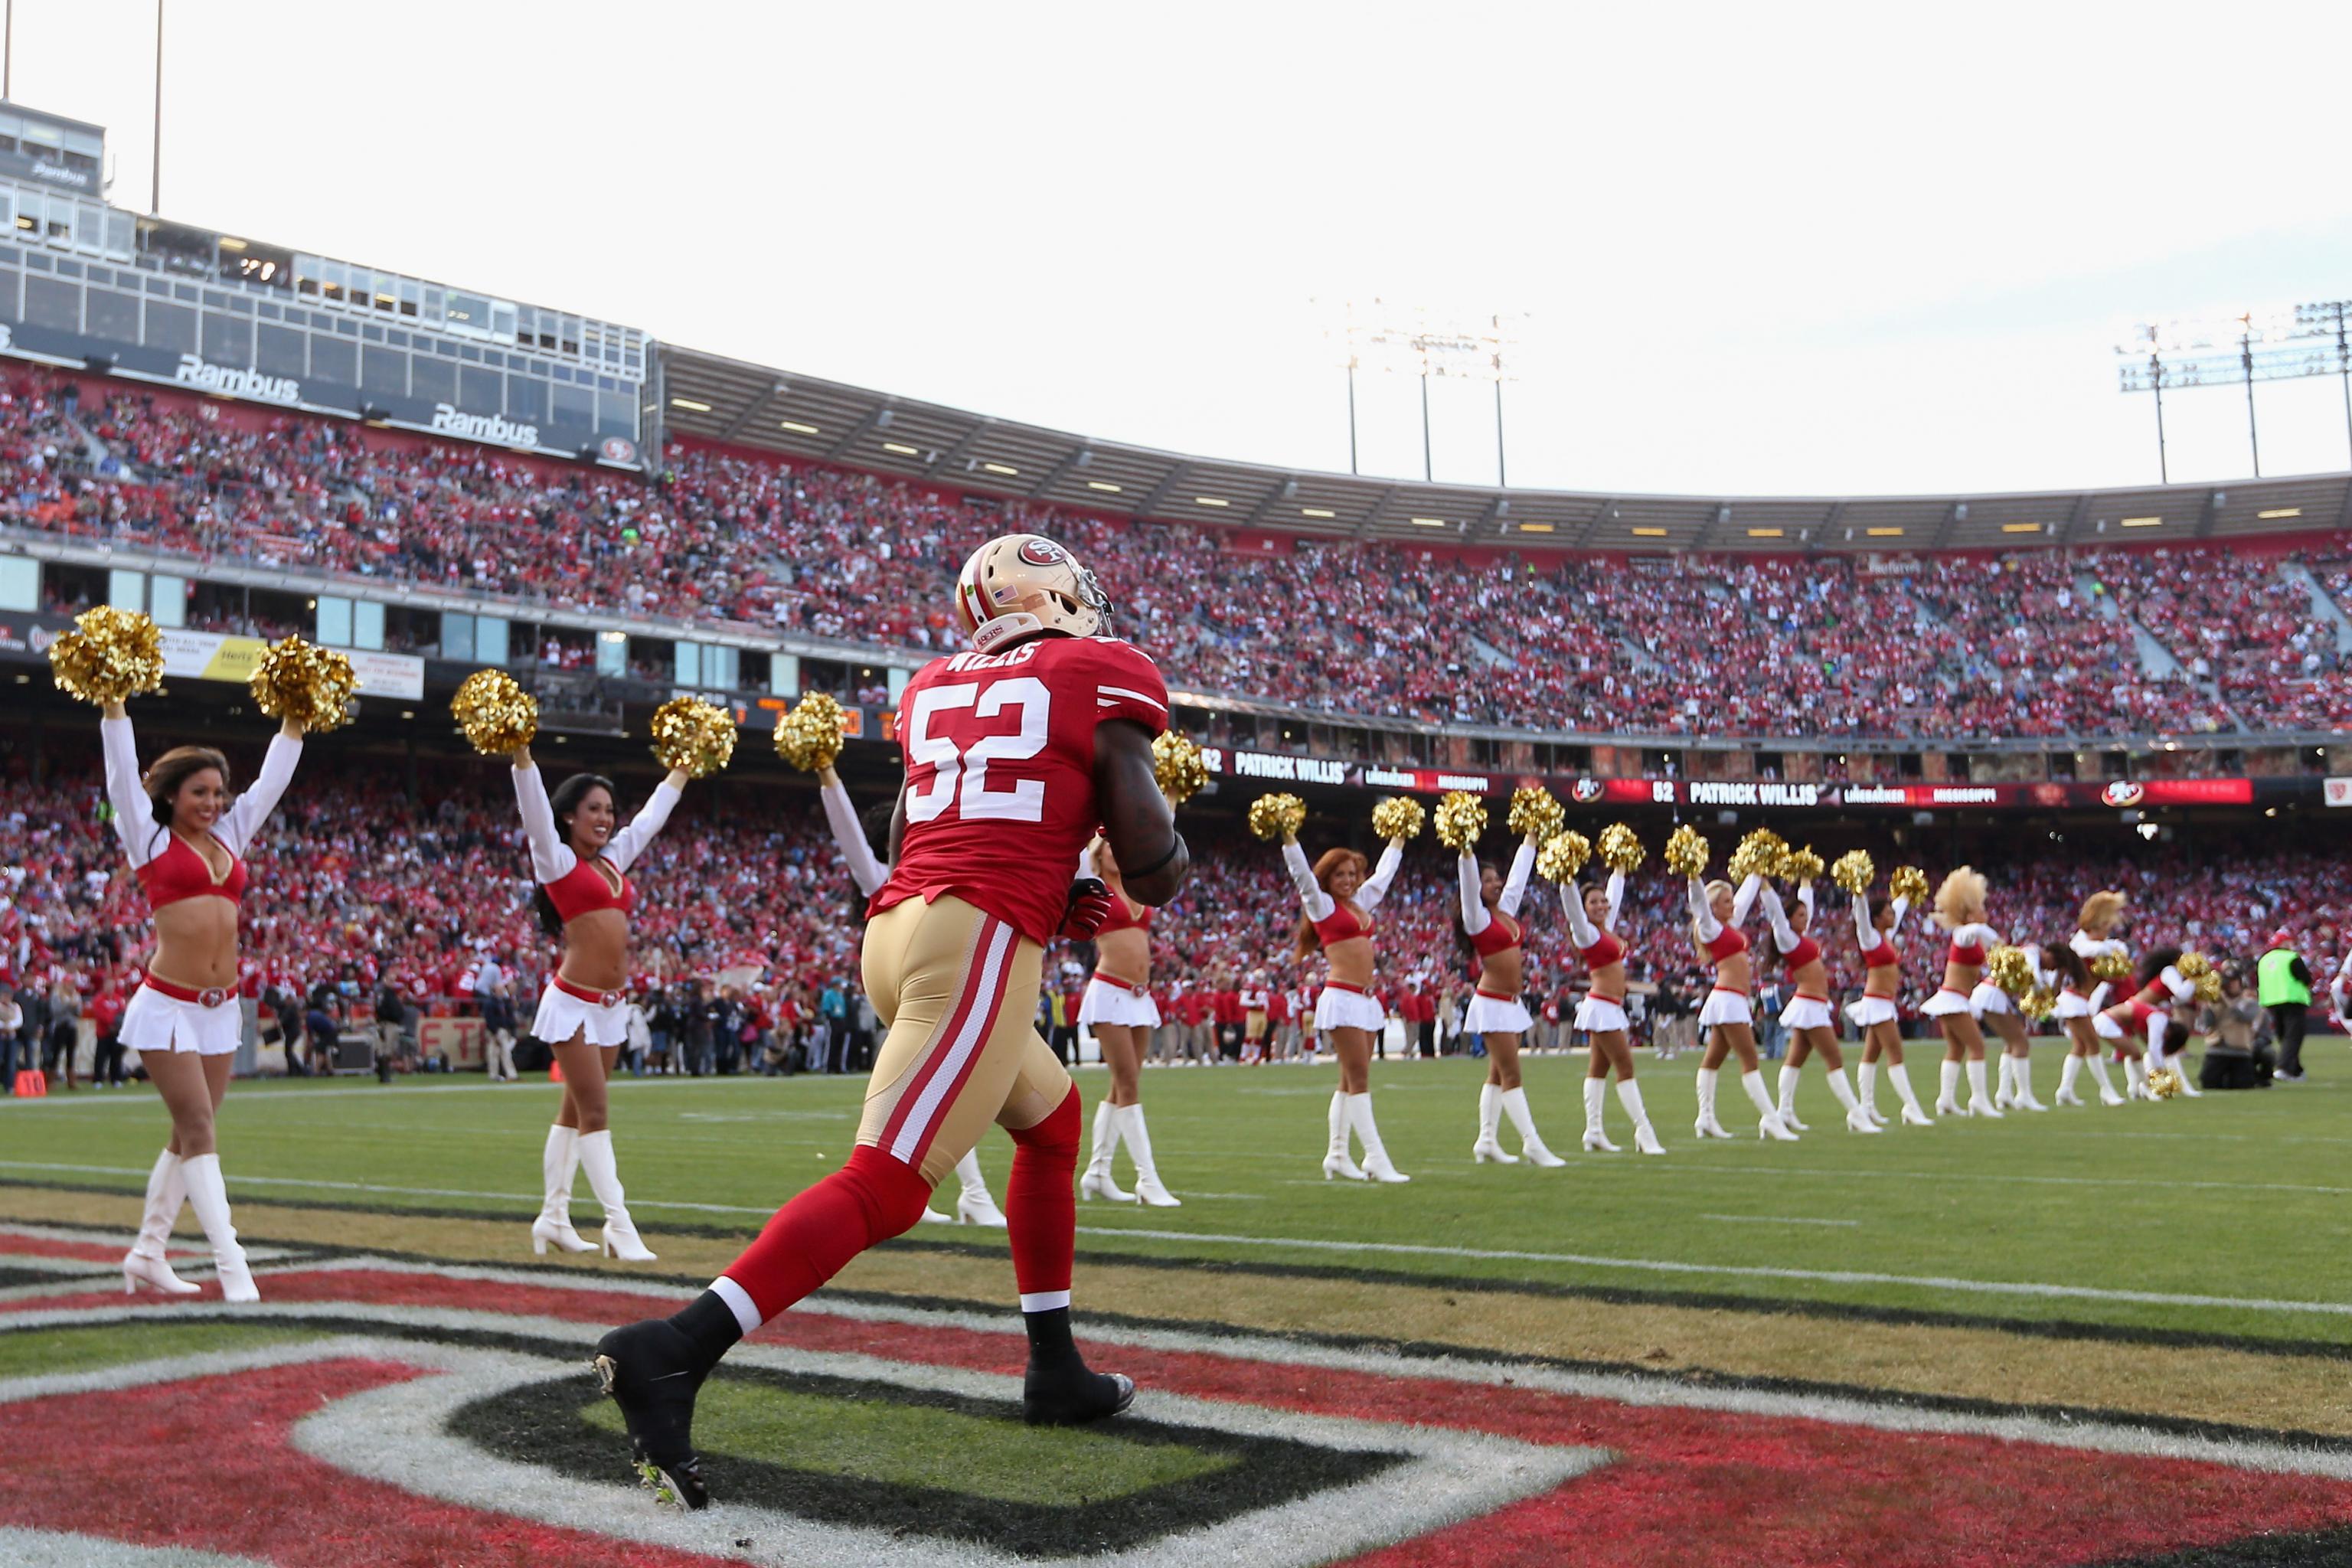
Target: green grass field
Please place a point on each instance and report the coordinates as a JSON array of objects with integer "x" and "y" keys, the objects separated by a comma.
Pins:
[{"x": 2223, "y": 1215}]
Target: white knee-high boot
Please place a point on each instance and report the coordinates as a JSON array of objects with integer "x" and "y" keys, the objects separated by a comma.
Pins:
[
  {"x": 1706, "y": 1126},
  {"x": 1790, "y": 1077},
  {"x": 1148, "y": 1188},
  {"x": 2107, "y": 1095},
  {"x": 620, "y": 1236},
  {"x": 2068, "y": 1071},
  {"x": 1899, "y": 1075},
  {"x": 1768, "y": 1120},
  {"x": 143, "y": 1267},
  {"x": 973, "y": 1205},
  {"x": 1947, "y": 1090},
  {"x": 557, "y": 1161},
  {"x": 1857, "y": 1118},
  {"x": 1490, "y": 1120},
  {"x": 1865, "y": 1082},
  {"x": 2001, "y": 1092},
  {"x": 1979, "y": 1102},
  {"x": 2021, "y": 1084},
  {"x": 1523, "y": 1121},
  {"x": 1336, "y": 1162},
  {"x": 1596, "y": 1134},
  {"x": 208, "y": 1195},
  {"x": 1646, "y": 1137},
  {"x": 1377, "y": 1164},
  {"x": 2136, "y": 1077},
  {"x": 1097, "y": 1182}
]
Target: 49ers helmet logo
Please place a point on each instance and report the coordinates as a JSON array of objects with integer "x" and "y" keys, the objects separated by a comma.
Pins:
[{"x": 1043, "y": 552}]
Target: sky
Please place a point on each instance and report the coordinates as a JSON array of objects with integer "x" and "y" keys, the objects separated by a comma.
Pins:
[{"x": 1791, "y": 249}]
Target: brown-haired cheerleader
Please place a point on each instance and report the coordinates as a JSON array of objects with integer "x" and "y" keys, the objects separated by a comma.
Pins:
[
  {"x": 1490, "y": 911},
  {"x": 2079, "y": 1000},
  {"x": 1730, "y": 1021},
  {"x": 1592, "y": 925},
  {"x": 1338, "y": 900},
  {"x": 1960, "y": 910},
  {"x": 1875, "y": 921},
  {"x": 186, "y": 837},
  {"x": 1119, "y": 1008},
  {"x": 2145, "y": 1015},
  {"x": 1812, "y": 1027}
]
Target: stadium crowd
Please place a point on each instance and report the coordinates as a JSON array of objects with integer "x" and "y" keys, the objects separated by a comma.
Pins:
[{"x": 2029, "y": 643}]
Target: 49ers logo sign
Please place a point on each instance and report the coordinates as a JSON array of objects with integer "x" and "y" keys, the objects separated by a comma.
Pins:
[{"x": 1043, "y": 552}]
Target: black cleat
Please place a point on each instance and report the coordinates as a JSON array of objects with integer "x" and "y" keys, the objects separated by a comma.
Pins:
[
  {"x": 1070, "y": 1395},
  {"x": 652, "y": 1372}
]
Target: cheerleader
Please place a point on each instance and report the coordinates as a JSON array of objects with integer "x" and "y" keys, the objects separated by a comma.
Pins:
[
  {"x": 1875, "y": 921},
  {"x": 2144, "y": 1016},
  {"x": 1960, "y": 910},
  {"x": 1119, "y": 1008},
  {"x": 1490, "y": 910},
  {"x": 581, "y": 858},
  {"x": 185, "y": 839},
  {"x": 1592, "y": 926},
  {"x": 1812, "y": 1027},
  {"x": 1989, "y": 1002},
  {"x": 1717, "y": 915},
  {"x": 1338, "y": 900},
  {"x": 2079, "y": 1001},
  {"x": 869, "y": 871}
]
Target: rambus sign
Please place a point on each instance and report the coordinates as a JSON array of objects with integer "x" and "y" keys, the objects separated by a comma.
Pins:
[{"x": 232, "y": 381}]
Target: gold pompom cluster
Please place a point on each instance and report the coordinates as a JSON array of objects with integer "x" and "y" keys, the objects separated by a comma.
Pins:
[
  {"x": 1536, "y": 813},
  {"x": 496, "y": 715},
  {"x": 1803, "y": 864},
  {"x": 1760, "y": 854},
  {"x": 1909, "y": 884},
  {"x": 110, "y": 655},
  {"x": 809, "y": 737},
  {"x": 1854, "y": 871},
  {"x": 300, "y": 681},
  {"x": 1687, "y": 852},
  {"x": 1271, "y": 815},
  {"x": 1562, "y": 857},
  {"x": 2038, "y": 1004},
  {"x": 2112, "y": 966},
  {"x": 1398, "y": 817},
  {"x": 693, "y": 736},
  {"x": 1177, "y": 767},
  {"x": 1620, "y": 848},
  {"x": 2196, "y": 966},
  {"x": 2209, "y": 988},
  {"x": 2163, "y": 1084},
  {"x": 2008, "y": 968},
  {"x": 1461, "y": 819}
]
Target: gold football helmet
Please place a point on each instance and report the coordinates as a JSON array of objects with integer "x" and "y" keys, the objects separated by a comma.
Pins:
[{"x": 1022, "y": 584}]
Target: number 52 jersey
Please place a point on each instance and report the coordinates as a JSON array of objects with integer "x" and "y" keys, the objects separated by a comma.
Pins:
[{"x": 999, "y": 752}]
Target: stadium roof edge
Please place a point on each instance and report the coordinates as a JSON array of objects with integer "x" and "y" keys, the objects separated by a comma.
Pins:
[{"x": 714, "y": 397}]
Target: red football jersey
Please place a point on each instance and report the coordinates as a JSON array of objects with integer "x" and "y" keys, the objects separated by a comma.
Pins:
[{"x": 1000, "y": 754}]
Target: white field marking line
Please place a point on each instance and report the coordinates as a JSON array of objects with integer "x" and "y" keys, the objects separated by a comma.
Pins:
[
  {"x": 178, "y": 1245},
  {"x": 1649, "y": 1168},
  {"x": 1736, "y": 1270},
  {"x": 2116, "y": 1437},
  {"x": 60, "y": 1548},
  {"x": 241, "y": 1180},
  {"x": 1772, "y": 1219}
]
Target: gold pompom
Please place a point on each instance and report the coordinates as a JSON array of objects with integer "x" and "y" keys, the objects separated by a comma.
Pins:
[
  {"x": 1535, "y": 812},
  {"x": 2008, "y": 968},
  {"x": 2193, "y": 965},
  {"x": 311, "y": 685},
  {"x": 1687, "y": 852},
  {"x": 110, "y": 655},
  {"x": 1271, "y": 815},
  {"x": 1562, "y": 857},
  {"x": 1177, "y": 767},
  {"x": 2163, "y": 1084},
  {"x": 1854, "y": 871},
  {"x": 2209, "y": 987},
  {"x": 1909, "y": 884},
  {"x": 1461, "y": 819},
  {"x": 1760, "y": 854},
  {"x": 809, "y": 737},
  {"x": 496, "y": 715},
  {"x": 2112, "y": 966},
  {"x": 1804, "y": 865},
  {"x": 1620, "y": 848},
  {"x": 1397, "y": 818},
  {"x": 2039, "y": 1003},
  {"x": 693, "y": 735}
]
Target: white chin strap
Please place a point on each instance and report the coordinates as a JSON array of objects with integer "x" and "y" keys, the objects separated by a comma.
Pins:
[{"x": 996, "y": 633}]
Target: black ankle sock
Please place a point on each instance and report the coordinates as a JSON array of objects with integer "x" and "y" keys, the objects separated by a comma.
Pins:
[
  {"x": 1049, "y": 1337},
  {"x": 708, "y": 1323}
]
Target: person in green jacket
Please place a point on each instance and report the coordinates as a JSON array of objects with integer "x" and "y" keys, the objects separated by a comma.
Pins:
[{"x": 2283, "y": 988}]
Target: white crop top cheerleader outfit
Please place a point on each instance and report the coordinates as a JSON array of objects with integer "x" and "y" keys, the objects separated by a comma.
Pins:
[
  {"x": 1804, "y": 1009},
  {"x": 1343, "y": 1005},
  {"x": 1723, "y": 1004},
  {"x": 1878, "y": 951},
  {"x": 577, "y": 887},
  {"x": 1598, "y": 947}
]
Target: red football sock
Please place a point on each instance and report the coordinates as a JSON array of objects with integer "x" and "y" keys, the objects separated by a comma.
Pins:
[
  {"x": 1041, "y": 1210},
  {"x": 812, "y": 1238}
]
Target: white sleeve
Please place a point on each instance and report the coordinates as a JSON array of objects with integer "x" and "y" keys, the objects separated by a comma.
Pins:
[
  {"x": 134, "y": 814},
  {"x": 1784, "y": 935},
  {"x": 1311, "y": 896},
  {"x": 1474, "y": 908},
  {"x": 849, "y": 838},
  {"x": 2179, "y": 984},
  {"x": 1579, "y": 926},
  {"x": 2099, "y": 995},
  {"x": 631, "y": 841},
  {"x": 1702, "y": 914},
  {"x": 1376, "y": 886},
  {"x": 1744, "y": 900},
  {"x": 1805, "y": 896},
  {"x": 1515, "y": 885},
  {"x": 1616, "y": 899},
  {"x": 1977, "y": 935},
  {"x": 261, "y": 797},
  {"x": 1864, "y": 932},
  {"x": 550, "y": 857},
  {"x": 1902, "y": 910}
]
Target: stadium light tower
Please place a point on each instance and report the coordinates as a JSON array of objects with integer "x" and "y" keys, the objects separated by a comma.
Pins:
[
  {"x": 2279, "y": 344},
  {"x": 1413, "y": 340}
]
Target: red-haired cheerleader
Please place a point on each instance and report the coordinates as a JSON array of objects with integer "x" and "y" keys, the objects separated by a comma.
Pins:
[
  {"x": 186, "y": 837},
  {"x": 1592, "y": 926},
  {"x": 1490, "y": 910},
  {"x": 1338, "y": 900},
  {"x": 1812, "y": 1027},
  {"x": 581, "y": 858},
  {"x": 1875, "y": 921},
  {"x": 1960, "y": 910},
  {"x": 1119, "y": 1008},
  {"x": 1716, "y": 914},
  {"x": 855, "y": 838},
  {"x": 2145, "y": 1014},
  {"x": 2079, "y": 1001}
]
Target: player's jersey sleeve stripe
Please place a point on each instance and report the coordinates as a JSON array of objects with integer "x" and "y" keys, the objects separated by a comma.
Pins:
[{"x": 1137, "y": 696}]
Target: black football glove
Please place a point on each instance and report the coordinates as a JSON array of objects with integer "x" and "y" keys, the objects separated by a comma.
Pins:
[{"x": 1088, "y": 907}]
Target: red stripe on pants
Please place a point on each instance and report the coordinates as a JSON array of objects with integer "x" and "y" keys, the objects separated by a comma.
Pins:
[{"x": 977, "y": 993}]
